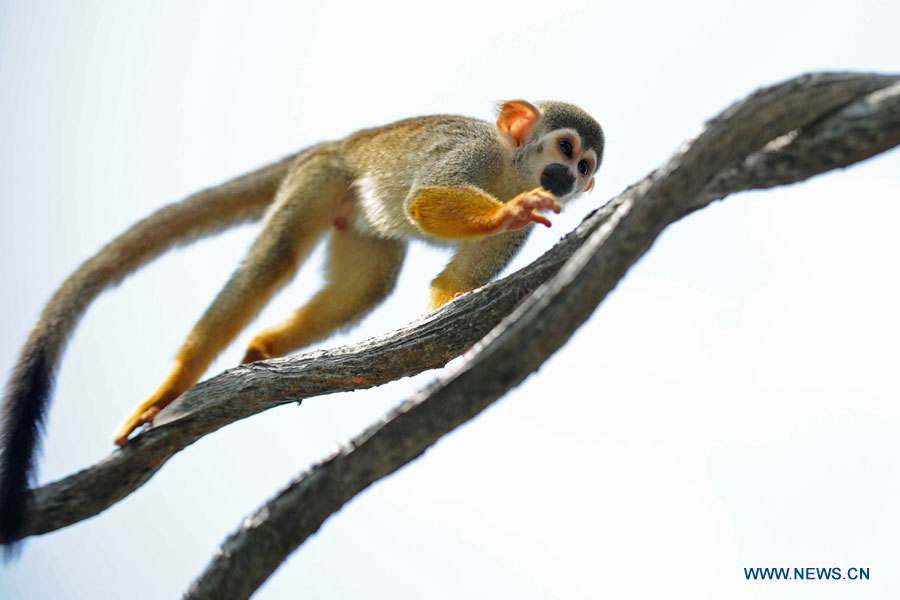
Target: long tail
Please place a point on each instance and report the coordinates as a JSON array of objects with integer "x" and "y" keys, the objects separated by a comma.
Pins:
[{"x": 27, "y": 396}]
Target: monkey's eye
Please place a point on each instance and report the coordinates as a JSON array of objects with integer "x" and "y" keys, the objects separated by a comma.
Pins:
[
  {"x": 565, "y": 146},
  {"x": 584, "y": 167}
]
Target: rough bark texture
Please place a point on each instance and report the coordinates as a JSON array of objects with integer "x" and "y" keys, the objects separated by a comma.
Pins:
[
  {"x": 776, "y": 136},
  {"x": 427, "y": 343},
  {"x": 620, "y": 235}
]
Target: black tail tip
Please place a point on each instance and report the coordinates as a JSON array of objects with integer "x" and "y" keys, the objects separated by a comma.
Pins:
[
  {"x": 12, "y": 550},
  {"x": 12, "y": 530},
  {"x": 13, "y": 521},
  {"x": 21, "y": 422}
]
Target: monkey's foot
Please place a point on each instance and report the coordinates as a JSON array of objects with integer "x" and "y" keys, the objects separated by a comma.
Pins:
[
  {"x": 178, "y": 382},
  {"x": 140, "y": 417},
  {"x": 441, "y": 295},
  {"x": 256, "y": 351},
  {"x": 524, "y": 209}
]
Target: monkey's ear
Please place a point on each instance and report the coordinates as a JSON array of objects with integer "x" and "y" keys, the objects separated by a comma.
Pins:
[{"x": 516, "y": 119}]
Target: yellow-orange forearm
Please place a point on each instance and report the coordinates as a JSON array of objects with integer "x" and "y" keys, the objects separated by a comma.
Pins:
[{"x": 456, "y": 213}]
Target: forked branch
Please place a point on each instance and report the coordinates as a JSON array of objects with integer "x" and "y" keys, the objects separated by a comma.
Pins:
[{"x": 776, "y": 136}]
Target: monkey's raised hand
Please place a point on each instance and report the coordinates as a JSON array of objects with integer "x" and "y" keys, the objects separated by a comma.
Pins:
[{"x": 524, "y": 209}]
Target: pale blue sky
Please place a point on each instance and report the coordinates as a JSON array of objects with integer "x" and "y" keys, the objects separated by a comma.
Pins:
[{"x": 733, "y": 403}]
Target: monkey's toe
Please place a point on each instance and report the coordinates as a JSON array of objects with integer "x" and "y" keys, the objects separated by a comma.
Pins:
[{"x": 255, "y": 353}]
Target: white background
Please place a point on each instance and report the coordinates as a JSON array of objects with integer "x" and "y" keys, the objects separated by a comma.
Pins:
[{"x": 733, "y": 403}]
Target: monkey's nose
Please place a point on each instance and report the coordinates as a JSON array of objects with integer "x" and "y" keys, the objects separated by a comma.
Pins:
[{"x": 557, "y": 178}]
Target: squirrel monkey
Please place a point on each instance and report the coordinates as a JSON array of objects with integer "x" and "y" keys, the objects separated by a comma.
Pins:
[{"x": 443, "y": 179}]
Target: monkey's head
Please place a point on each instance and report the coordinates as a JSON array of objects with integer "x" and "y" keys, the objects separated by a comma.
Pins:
[{"x": 558, "y": 146}]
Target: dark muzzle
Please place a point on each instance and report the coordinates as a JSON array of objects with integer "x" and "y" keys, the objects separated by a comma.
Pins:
[{"x": 558, "y": 179}]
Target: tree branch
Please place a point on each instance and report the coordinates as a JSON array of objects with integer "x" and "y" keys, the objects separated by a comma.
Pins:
[
  {"x": 720, "y": 160},
  {"x": 427, "y": 343},
  {"x": 778, "y": 135}
]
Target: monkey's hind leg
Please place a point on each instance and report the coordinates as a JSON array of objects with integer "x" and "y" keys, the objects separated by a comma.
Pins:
[
  {"x": 362, "y": 271},
  {"x": 300, "y": 215}
]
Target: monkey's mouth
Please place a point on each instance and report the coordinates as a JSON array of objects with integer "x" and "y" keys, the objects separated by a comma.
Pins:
[{"x": 557, "y": 178}]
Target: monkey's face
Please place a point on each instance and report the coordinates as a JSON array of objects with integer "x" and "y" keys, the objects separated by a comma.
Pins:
[{"x": 566, "y": 167}]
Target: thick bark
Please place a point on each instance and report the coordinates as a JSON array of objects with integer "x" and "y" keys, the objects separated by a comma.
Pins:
[{"x": 778, "y": 135}]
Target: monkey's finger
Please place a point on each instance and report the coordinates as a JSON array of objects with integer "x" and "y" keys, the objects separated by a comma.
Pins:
[
  {"x": 542, "y": 192},
  {"x": 124, "y": 430},
  {"x": 539, "y": 218},
  {"x": 148, "y": 415},
  {"x": 544, "y": 200},
  {"x": 548, "y": 204},
  {"x": 537, "y": 196}
]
